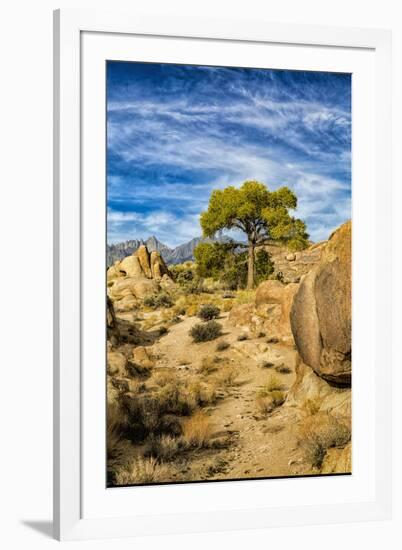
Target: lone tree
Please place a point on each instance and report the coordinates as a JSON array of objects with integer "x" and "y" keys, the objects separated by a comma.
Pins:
[{"x": 261, "y": 214}]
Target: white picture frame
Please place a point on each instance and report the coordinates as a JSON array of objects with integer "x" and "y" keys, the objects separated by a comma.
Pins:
[{"x": 81, "y": 507}]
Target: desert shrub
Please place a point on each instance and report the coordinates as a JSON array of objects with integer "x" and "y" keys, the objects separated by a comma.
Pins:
[
  {"x": 267, "y": 402},
  {"x": 319, "y": 432},
  {"x": 242, "y": 337},
  {"x": 204, "y": 332},
  {"x": 227, "y": 377},
  {"x": 208, "y": 312},
  {"x": 155, "y": 301},
  {"x": 283, "y": 369},
  {"x": 162, "y": 378},
  {"x": 144, "y": 470},
  {"x": 136, "y": 370},
  {"x": 273, "y": 384},
  {"x": 197, "y": 430},
  {"x": 222, "y": 346},
  {"x": 208, "y": 365},
  {"x": 164, "y": 447}
]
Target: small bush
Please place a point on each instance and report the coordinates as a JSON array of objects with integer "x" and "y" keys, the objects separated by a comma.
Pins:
[
  {"x": 197, "y": 431},
  {"x": 204, "y": 332},
  {"x": 155, "y": 301},
  {"x": 261, "y": 335},
  {"x": 222, "y": 346},
  {"x": 267, "y": 365},
  {"x": 242, "y": 337},
  {"x": 208, "y": 312}
]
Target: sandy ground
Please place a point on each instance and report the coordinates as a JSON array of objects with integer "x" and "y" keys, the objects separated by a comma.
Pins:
[{"x": 260, "y": 445}]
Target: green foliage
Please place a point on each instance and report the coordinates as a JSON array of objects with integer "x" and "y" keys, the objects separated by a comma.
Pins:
[
  {"x": 210, "y": 258},
  {"x": 261, "y": 214},
  {"x": 204, "y": 332},
  {"x": 264, "y": 266},
  {"x": 208, "y": 312}
]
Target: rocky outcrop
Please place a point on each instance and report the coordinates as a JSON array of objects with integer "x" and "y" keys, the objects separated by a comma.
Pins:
[
  {"x": 270, "y": 311},
  {"x": 291, "y": 266},
  {"x": 321, "y": 324},
  {"x": 135, "y": 277},
  {"x": 321, "y": 312}
]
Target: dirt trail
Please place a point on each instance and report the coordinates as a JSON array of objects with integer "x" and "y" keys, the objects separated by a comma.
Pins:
[{"x": 260, "y": 446}]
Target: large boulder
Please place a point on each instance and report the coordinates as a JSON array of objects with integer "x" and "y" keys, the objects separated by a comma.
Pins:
[
  {"x": 269, "y": 312},
  {"x": 321, "y": 312},
  {"x": 273, "y": 301}
]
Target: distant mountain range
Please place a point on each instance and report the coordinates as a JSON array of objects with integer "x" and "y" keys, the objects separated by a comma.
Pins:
[{"x": 181, "y": 253}]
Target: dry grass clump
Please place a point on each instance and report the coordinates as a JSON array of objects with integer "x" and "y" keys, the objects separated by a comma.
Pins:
[
  {"x": 204, "y": 332},
  {"x": 227, "y": 377},
  {"x": 135, "y": 370},
  {"x": 197, "y": 430},
  {"x": 270, "y": 396},
  {"x": 266, "y": 403},
  {"x": 312, "y": 406},
  {"x": 208, "y": 365},
  {"x": 272, "y": 384},
  {"x": 319, "y": 432},
  {"x": 244, "y": 297},
  {"x": 144, "y": 470},
  {"x": 162, "y": 378},
  {"x": 164, "y": 447}
]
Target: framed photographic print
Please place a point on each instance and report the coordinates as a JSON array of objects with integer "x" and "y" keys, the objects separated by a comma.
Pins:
[{"x": 219, "y": 191}]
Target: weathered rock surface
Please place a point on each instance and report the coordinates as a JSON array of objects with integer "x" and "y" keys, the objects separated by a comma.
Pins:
[
  {"x": 293, "y": 265},
  {"x": 269, "y": 312},
  {"x": 135, "y": 277},
  {"x": 321, "y": 312}
]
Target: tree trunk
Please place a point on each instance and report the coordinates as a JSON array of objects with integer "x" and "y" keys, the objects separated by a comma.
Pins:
[{"x": 250, "y": 272}]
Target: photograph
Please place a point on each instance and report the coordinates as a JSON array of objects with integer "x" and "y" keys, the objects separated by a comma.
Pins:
[{"x": 228, "y": 299}]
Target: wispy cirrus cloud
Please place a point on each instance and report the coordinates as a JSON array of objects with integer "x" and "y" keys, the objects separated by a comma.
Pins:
[{"x": 176, "y": 132}]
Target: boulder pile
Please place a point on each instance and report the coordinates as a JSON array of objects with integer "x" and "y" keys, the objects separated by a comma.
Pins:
[{"x": 135, "y": 277}]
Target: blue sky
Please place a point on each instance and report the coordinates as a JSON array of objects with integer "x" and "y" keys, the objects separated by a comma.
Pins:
[{"x": 175, "y": 132}]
